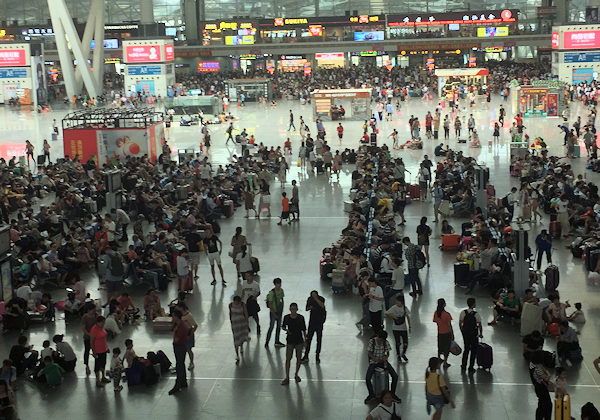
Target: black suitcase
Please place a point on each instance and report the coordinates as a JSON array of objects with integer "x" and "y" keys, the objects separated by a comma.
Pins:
[
  {"x": 326, "y": 268},
  {"x": 149, "y": 376},
  {"x": 461, "y": 274},
  {"x": 591, "y": 257},
  {"x": 163, "y": 282},
  {"x": 165, "y": 363}
]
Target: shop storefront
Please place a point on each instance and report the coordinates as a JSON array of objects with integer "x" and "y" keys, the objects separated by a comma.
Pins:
[
  {"x": 291, "y": 63},
  {"x": 330, "y": 60},
  {"x": 377, "y": 58},
  {"x": 229, "y": 33},
  {"x": 356, "y": 103},
  {"x": 252, "y": 89},
  {"x": 543, "y": 98},
  {"x": 451, "y": 79}
]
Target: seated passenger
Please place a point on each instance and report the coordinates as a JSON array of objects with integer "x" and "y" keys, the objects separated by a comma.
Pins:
[{"x": 509, "y": 305}]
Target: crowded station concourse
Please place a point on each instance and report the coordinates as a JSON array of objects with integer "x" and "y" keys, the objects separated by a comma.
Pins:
[{"x": 303, "y": 272}]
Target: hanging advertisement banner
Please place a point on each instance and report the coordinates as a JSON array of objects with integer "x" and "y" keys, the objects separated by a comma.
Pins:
[{"x": 552, "y": 103}]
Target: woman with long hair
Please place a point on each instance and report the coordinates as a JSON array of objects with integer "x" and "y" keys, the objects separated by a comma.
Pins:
[
  {"x": 444, "y": 328},
  {"x": 238, "y": 316},
  {"x": 423, "y": 234},
  {"x": 436, "y": 390}
]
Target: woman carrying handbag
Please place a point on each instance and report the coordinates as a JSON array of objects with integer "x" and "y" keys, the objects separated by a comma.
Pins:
[{"x": 436, "y": 390}]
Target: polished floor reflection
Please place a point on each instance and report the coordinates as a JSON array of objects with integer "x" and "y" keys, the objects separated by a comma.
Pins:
[{"x": 334, "y": 389}]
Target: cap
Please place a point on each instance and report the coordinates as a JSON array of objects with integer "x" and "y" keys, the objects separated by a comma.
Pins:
[{"x": 58, "y": 337}]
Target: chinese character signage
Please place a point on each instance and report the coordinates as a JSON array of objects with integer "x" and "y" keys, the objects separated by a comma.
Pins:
[
  {"x": 142, "y": 53},
  {"x": 581, "y": 39},
  {"x": 13, "y": 57}
]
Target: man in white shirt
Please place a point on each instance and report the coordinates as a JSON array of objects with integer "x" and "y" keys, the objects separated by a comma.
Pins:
[
  {"x": 111, "y": 228},
  {"x": 400, "y": 314},
  {"x": 250, "y": 292},
  {"x": 375, "y": 305},
  {"x": 123, "y": 220}
]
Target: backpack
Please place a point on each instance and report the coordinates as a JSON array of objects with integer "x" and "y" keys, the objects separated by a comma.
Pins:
[
  {"x": 469, "y": 328},
  {"x": 116, "y": 265},
  {"x": 420, "y": 260}
]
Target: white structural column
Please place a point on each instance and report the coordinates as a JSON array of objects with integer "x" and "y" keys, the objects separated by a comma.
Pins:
[
  {"x": 146, "y": 11},
  {"x": 64, "y": 28}
]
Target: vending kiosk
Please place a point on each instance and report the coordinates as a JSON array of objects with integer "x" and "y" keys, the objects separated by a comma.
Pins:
[
  {"x": 22, "y": 74},
  {"x": 149, "y": 66}
]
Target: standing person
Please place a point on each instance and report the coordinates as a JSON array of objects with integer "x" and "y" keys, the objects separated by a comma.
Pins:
[
  {"x": 188, "y": 318},
  {"x": 543, "y": 243},
  {"x": 295, "y": 202},
  {"x": 180, "y": 339},
  {"x": 99, "y": 350},
  {"x": 29, "y": 151},
  {"x": 237, "y": 241},
  {"x": 114, "y": 273},
  {"x": 436, "y": 391},
  {"x": 123, "y": 219},
  {"x": 446, "y": 128},
  {"x": 496, "y": 134},
  {"x": 250, "y": 294},
  {"x": 337, "y": 164},
  {"x": 376, "y": 301},
  {"x": 436, "y": 124},
  {"x": 413, "y": 270},
  {"x": 443, "y": 319},
  {"x": 183, "y": 271},
  {"x": 469, "y": 323},
  {"x": 275, "y": 304},
  {"x": 400, "y": 314},
  {"x": 248, "y": 194},
  {"x": 214, "y": 248},
  {"x": 229, "y": 132},
  {"x": 589, "y": 139},
  {"x": 457, "y": 127},
  {"x": 501, "y": 114},
  {"x": 316, "y": 305},
  {"x": 394, "y": 136},
  {"x": 423, "y": 234},
  {"x": 238, "y": 316},
  {"x": 285, "y": 209},
  {"x": 340, "y": 132},
  {"x": 88, "y": 320},
  {"x": 194, "y": 244},
  {"x": 438, "y": 195},
  {"x": 378, "y": 350},
  {"x": 291, "y": 121},
  {"x": 46, "y": 147},
  {"x": 471, "y": 124},
  {"x": 295, "y": 327},
  {"x": 540, "y": 378}
]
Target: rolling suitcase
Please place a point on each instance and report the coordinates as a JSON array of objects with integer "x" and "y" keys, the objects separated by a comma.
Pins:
[
  {"x": 134, "y": 373},
  {"x": 337, "y": 281},
  {"x": 555, "y": 229},
  {"x": 577, "y": 151},
  {"x": 461, "y": 274},
  {"x": 185, "y": 283},
  {"x": 165, "y": 363},
  {"x": 485, "y": 356},
  {"x": 163, "y": 283},
  {"x": 380, "y": 381},
  {"x": 552, "y": 278},
  {"x": 591, "y": 257},
  {"x": 450, "y": 242},
  {"x": 531, "y": 319},
  {"x": 162, "y": 323},
  {"x": 326, "y": 268},
  {"x": 414, "y": 191},
  {"x": 562, "y": 408},
  {"x": 54, "y": 136},
  {"x": 228, "y": 205}
]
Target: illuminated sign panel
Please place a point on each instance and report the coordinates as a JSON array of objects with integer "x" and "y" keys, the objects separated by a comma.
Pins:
[
  {"x": 454, "y": 18},
  {"x": 573, "y": 40},
  {"x": 13, "y": 57}
]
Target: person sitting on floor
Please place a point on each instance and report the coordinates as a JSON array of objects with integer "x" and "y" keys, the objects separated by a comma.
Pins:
[{"x": 509, "y": 306}]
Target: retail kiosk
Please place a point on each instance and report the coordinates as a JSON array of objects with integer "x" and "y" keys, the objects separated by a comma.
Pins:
[
  {"x": 107, "y": 134},
  {"x": 468, "y": 77},
  {"x": 542, "y": 98},
  {"x": 22, "y": 74},
  {"x": 356, "y": 102},
  {"x": 149, "y": 66},
  {"x": 252, "y": 89}
]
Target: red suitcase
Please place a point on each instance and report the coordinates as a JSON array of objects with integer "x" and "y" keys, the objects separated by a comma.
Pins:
[
  {"x": 555, "y": 229},
  {"x": 414, "y": 191},
  {"x": 450, "y": 242},
  {"x": 185, "y": 283}
]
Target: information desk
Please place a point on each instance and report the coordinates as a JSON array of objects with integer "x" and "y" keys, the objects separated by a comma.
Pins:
[
  {"x": 252, "y": 89},
  {"x": 356, "y": 103}
]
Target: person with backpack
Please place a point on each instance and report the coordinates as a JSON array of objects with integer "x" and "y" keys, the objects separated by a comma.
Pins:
[
  {"x": 414, "y": 260},
  {"x": 275, "y": 305},
  {"x": 114, "y": 273},
  {"x": 387, "y": 409},
  {"x": 469, "y": 323}
]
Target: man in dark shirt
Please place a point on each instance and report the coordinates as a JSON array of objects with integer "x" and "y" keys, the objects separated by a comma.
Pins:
[
  {"x": 316, "y": 305},
  {"x": 180, "y": 339},
  {"x": 193, "y": 240},
  {"x": 294, "y": 325},
  {"x": 18, "y": 356},
  {"x": 214, "y": 247}
]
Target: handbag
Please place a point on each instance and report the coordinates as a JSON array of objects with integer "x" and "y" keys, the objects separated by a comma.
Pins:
[
  {"x": 231, "y": 254},
  {"x": 266, "y": 198},
  {"x": 393, "y": 415},
  {"x": 446, "y": 400},
  {"x": 455, "y": 348}
]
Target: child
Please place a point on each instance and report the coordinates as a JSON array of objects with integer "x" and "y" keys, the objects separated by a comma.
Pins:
[
  {"x": 129, "y": 352},
  {"x": 52, "y": 371},
  {"x": 47, "y": 350},
  {"x": 561, "y": 383},
  {"x": 285, "y": 209},
  {"x": 116, "y": 369},
  {"x": 577, "y": 317},
  {"x": 287, "y": 146},
  {"x": 8, "y": 373}
]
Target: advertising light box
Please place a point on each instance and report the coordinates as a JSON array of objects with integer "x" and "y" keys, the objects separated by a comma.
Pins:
[
  {"x": 169, "y": 52},
  {"x": 573, "y": 40},
  {"x": 492, "y": 31},
  {"x": 109, "y": 44},
  {"x": 368, "y": 36},
  {"x": 142, "y": 53},
  {"x": 208, "y": 66},
  {"x": 13, "y": 57},
  {"x": 329, "y": 56}
]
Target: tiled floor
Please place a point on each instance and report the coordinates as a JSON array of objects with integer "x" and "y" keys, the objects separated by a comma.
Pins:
[{"x": 334, "y": 389}]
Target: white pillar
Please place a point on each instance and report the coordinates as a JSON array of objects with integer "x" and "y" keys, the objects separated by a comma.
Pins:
[{"x": 146, "y": 11}]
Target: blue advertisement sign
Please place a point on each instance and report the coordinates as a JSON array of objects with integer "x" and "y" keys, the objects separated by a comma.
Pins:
[
  {"x": 13, "y": 73},
  {"x": 583, "y": 57},
  {"x": 143, "y": 70},
  {"x": 368, "y": 36},
  {"x": 583, "y": 75}
]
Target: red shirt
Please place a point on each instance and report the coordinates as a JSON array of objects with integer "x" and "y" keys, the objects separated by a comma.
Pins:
[
  {"x": 99, "y": 334},
  {"x": 340, "y": 129},
  {"x": 519, "y": 121},
  {"x": 125, "y": 302},
  {"x": 285, "y": 204},
  {"x": 443, "y": 322},
  {"x": 181, "y": 333}
]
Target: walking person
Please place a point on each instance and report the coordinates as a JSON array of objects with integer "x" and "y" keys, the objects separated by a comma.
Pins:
[
  {"x": 188, "y": 318},
  {"x": 413, "y": 270},
  {"x": 238, "y": 316},
  {"x": 541, "y": 380},
  {"x": 543, "y": 244},
  {"x": 275, "y": 304},
  {"x": 340, "y": 132},
  {"x": 88, "y": 320},
  {"x": 291, "y": 121},
  {"x": 99, "y": 351},
  {"x": 250, "y": 294},
  {"x": 446, "y": 128},
  {"x": 376, "y": 301},
  {"x": 445, "y": 334},
  {"x": 457, "y": 127},
  {"x": 394, "y": 136},
  {"x": 400, "y": 314},
  {"x": 237, "y": 240},
  {"x": 501, "y": 114},
  {"x": 295, "y": 327},
  {"x": 285, "y": 209},
  {"x": 469, "y": 323},
  {"x": 46, "y": 147},
  {"x": 438, "y": 195},
  {"x": 214, "y": 248},
  {"x": 229, "y": 132},
  {"x": 295, "y": 202},
  {"x": 496, "y": 134},
  {"x": 29, "y": 151},
  {"x": 436, "y": 391},
  {"x": 316, "y": 305},
  {"x": 180, "y": 339},
  {"x": 423, "y": 234}
]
